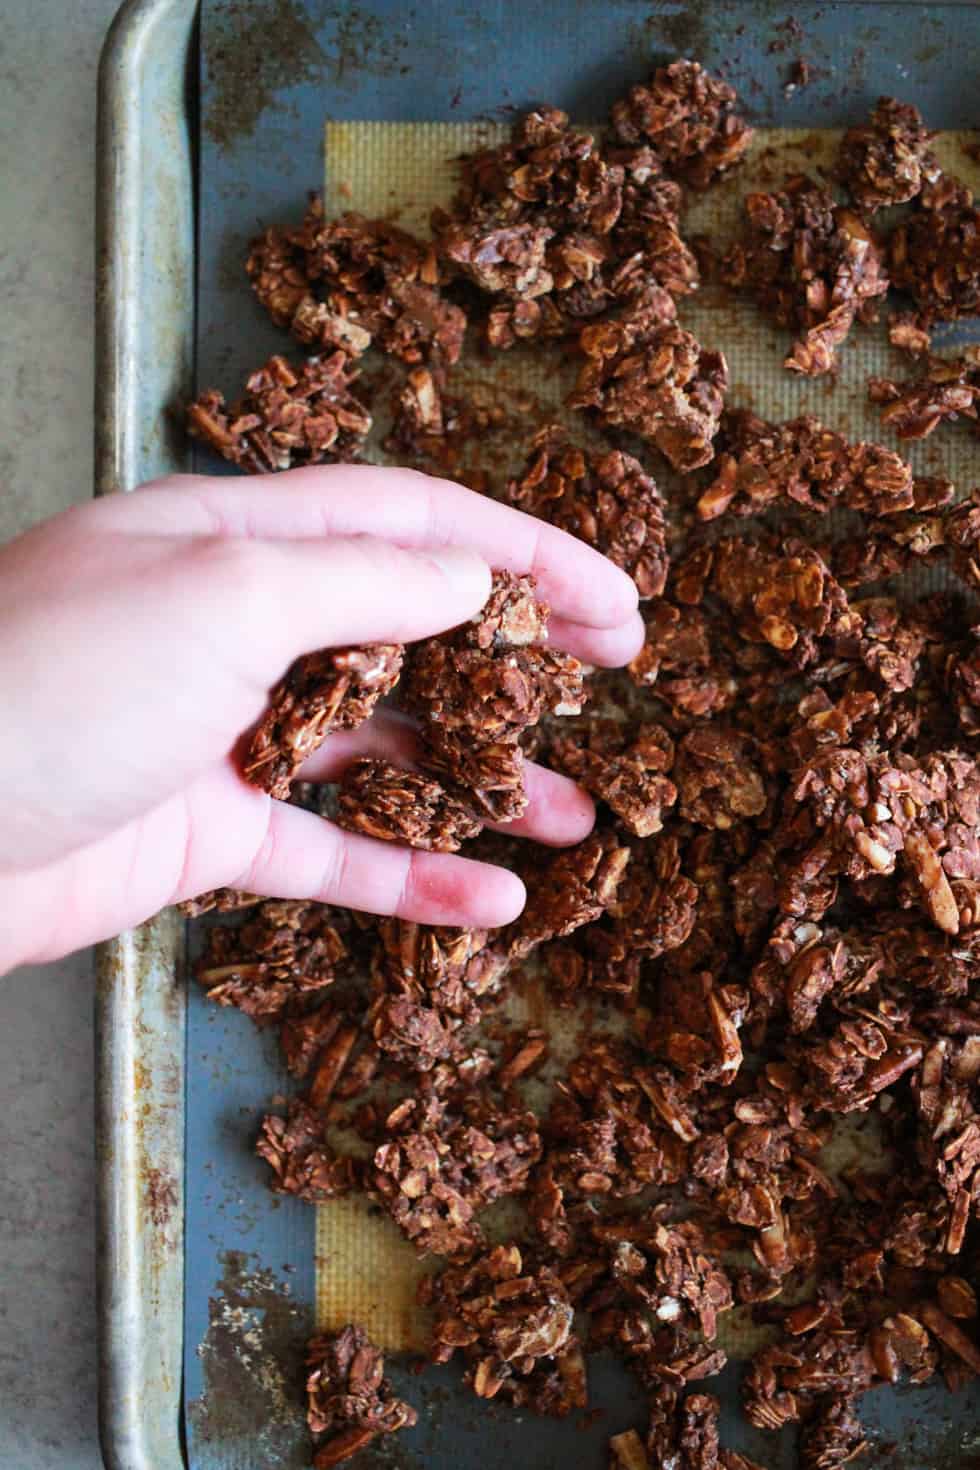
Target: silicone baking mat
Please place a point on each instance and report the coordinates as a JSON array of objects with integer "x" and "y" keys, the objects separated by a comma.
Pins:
[{"x": 389, "y": 148}]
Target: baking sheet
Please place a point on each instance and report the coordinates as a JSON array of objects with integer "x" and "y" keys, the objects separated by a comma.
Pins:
[{"x": 258, "y": 1267}]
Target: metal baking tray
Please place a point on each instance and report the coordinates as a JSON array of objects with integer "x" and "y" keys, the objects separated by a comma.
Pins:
[{"x": 210, "y": 125}]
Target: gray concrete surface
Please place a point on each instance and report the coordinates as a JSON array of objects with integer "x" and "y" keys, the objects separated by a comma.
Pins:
[{"x": 48, "y": 57}]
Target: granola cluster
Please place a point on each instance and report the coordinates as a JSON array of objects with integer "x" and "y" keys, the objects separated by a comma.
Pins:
[
  {"x": 946, "y": 391},
  {"x": 349, "y": 1400},
  {"x": 645, "y": 373},
  {"x": 773, "y": 930},
  {"x": 803, "y": 464},
  {"x": 605, "y": 499},
  {"x": 934, "y": 254},
  {"x": 886, "y": 160},
  {"x": 286, "y": 417},
  {"x": 381, "y": 800},
  {"x": 335, "y": 689},
  {"x": 479, "y": 688},
  {"x": 689, "y": 119},
  {"x": 554, "y": 227},
  {"x": 812, "y": 265},
  {"x": 342, "y": 284}
]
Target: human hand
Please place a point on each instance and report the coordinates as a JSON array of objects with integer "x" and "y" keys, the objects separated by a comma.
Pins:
[{"x": 139, "y": 637}]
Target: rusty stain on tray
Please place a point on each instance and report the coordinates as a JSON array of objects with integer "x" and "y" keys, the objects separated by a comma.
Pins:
[{"x": 252, "y": 1361}]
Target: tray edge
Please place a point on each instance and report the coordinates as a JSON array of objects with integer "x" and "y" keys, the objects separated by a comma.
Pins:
[{"x": 144, "y": 279}]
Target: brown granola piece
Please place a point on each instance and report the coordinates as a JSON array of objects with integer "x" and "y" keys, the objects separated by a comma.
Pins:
[
  {"x": 625, "y": 767},
  {"x": 381, "y": 800},
  {"x": 514, "y": 1326},
  {"x": 782, "y": 594},
  {"x": 284, "y": 951},
  {"x": 342, "y": 283},
  {"x": 895, "y": 543},
  {"x": 810, "y": 264},
  {"x": 949, "y": 388},
  {"x": 688, "y": 118},
  {"x": 286, "y": 417},
  {"x": 645, "y": 373},
  {"x": 784, "y": 1379},
  {"x": 678, "y": 660},
  {"x": 449, "y": 969},
  {"x": 556, "y": 231},
  {"x": 906, "y": 332},
  {"x": 218, "y": 901},
  {"x": 303, "y": 1036},
  {"x": 479, "y": 687},
  {"x": 934, "y": 255},
  {"x": 605, "y": 1139},
  {"x": 833, "y": 1436},
  {"x": 438, "y": 1169},
  {"x": 883, "y": 808},
  {"x": 802, "y": 463},
  {"x": 717, "y": 779},
  {"x": 575, "y": 887},
  {"x": 349, "y": 1400},
  {"x": 302, "y": 1161},
  {"x": 684, "y": 1433},
  {"x": 335, "y": 689},
  {"x": 949, "y": 1132},
  {"x": 886, "y": 160},
  {"x": 607, "y": 500}
]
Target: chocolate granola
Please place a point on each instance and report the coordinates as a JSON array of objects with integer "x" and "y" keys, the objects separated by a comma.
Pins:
[
  {"x": 607, "y": 500},
  {"x": 645, "y": 373},
  {"x": 812, "y": 265},
  {"x": 886, "y": 160},
  {"x": 381, "y": 800},
  {"x": 349, "y": 1400},
  {"x": 775, "y": 925},
  {"x": 335, "y": 689},
  {"x": 688, "y": 118},
  {"x": 339, "y": 285},
  {"x": 286, "y": 417}
]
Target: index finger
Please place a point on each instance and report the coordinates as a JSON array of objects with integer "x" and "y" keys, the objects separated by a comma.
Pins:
[{"x": 410, "y": 509}]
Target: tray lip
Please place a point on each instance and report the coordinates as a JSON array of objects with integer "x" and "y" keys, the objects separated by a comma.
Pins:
[{"x": 139, "y": 1007}]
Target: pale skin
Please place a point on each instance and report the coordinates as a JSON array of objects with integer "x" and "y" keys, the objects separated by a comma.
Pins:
[{"x": 139, "y": 638}]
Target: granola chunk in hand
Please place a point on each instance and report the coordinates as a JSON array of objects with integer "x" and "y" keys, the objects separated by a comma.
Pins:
[
  {"x": 349, "y": 1400},
  {"x": 335, "y": 689},
  {"x": 886, "y": 160},
  {"x": 810, "y": 264},
  {"x": 645, "y": 373},
  {"x": 381, "y": 800},
  {"x": 605, "y": 499},
  {"x": 688, "y": 118},
  {"x": 514, "y": 1326},
  {"x": 286, "y": 417},
  {"x": 479, "y": 687}
]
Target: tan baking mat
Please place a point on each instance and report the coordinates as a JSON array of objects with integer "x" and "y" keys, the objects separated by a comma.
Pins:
[{"x": 366, "y": 1271}]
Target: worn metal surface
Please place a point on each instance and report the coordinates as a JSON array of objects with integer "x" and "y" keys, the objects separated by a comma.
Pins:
[{"x": 145, "y": 322}]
